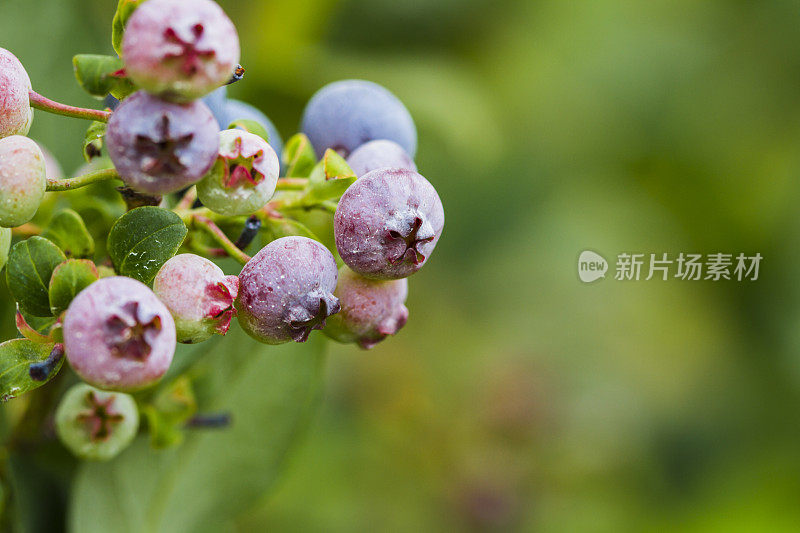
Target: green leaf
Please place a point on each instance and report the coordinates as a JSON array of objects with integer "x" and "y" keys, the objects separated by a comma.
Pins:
[
  {"x": 172, "y": 406},
  {"x": 5, "y": 245},
  {"x": 70, "y": 278},
  {"x": 298, "y": 156},
  {"x": 125, "y": 9},
  {"x": 270, "y": 392},
  {"x": 30, "y": 332},
  {"x": 99, "y": 75},
  {"x": 16, "y": 357},
  {"x": 328, "y": 179},
  {"x": 69, "y": 233},
  {"x": 275, "y": 228},
  {"x": 250, "y": 126},
  {"x": 327, "y": 190},
  {"x": 93, "y": 140},
  {"x": 30, "y": 265},
  {"x": 335, "y": 166},
  {"x": 143, "y": 239}
]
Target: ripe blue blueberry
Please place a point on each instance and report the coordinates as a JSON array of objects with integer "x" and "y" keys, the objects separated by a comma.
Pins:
[
  {"x": 346, "y": 114},
  {"x": 388, "y": 223},
  {"x": 379, "y": 154},
  {"x": 160, "y": 147},
  {"x": 286, "y": 290}
]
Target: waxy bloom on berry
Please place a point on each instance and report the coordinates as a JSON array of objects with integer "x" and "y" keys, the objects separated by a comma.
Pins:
[
  {"x": 16, "y": 114},
  {"x": 379, "y": 154},
  {"x": 22, "y": 180},
  {"x": 243, "y": 177},
  {"x": 180, "y": 49},
  {"x": 286, "y": 290},
  {"x": 371, "y": 310},
  {"x": 118, "y": 335},
  {"x": 160, "y": 147},
  {"x": 94, "y": 424},
  {"x": 388, "y": 223},
  {"x": 199, "y": 296}
]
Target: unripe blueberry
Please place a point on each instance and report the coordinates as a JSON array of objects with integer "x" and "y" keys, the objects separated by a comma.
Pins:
[
  {"x": 379, "y": 154},
  {"x": 180, "y": 49},
  {"x": 243, "y": 177},
  {"x": 346, "y": 114},
  {"x": 160, "y": 147},
  {"x": 118, "y": 335},
  {"x": 286, "y": 290},
  {"x": 5, "y": 245},
  {"x": 16, "y": 114},
  {"x": 371, "y": 309},
  {"x": 198, "y": 294},
  {"x": 388, "y": 223},
  {"x": 235, "y": 110},
  {"x": 96, "y": 425},
  {"x": 22, "y": 180}
]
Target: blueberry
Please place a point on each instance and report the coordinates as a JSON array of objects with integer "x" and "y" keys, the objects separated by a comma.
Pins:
[
  {"x": 244, "y": 176},
  {"x": 199, "y": 296},
  {"x": 22, "y": 180},
  {"x": 160, "y": 147},
  {"x": 346, "y": 114},
  {"x": 371, "y": 310},
  {"x": 16, "y": 114},
  {"x": 215, "y": 100},
  {"x": 180, "y": 49},
  {"x": 118, "y": 335},
  {"x": 286, "y": 290},
  {"x": 388, "y": 223},
  {"x": 379, "y": 154},
  {"x": 94, "y": 424}
]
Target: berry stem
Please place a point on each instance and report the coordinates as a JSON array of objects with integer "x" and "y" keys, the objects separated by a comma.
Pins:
[
  {"x": 188, "y": 199},
  {"x": 45, "y": 104},
  {"x": 67, "y": 184},
  {"x": 291, "y": 184},
  {"x": 26, "y": 230},
  {"x": 222, "y": 239}
]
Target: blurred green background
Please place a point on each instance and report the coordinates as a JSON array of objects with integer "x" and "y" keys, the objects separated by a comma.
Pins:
[{"x": 518, "y": 398}]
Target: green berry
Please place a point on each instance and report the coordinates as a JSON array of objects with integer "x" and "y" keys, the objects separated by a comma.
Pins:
[
  {"x": 22, "y": 180},
  {"x": 96, "y": 425}
]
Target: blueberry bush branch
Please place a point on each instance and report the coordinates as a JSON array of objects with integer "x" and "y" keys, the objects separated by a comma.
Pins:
[{"x": 112, "y": 278}]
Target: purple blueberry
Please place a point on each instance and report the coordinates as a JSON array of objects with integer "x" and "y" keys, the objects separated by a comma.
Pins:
[
  {"x": 180, "y": 49},
  {"x": 388, "y": 223},
  {"x": 371, "y": 310},
  {"x": 118, "y": 335},
  {"x": 244, "y": 176},
  {"x": 22, "y": 180},
  {"x": 346, "y": 114},
  {"x": 160, "y": 147},
  {"x": 286, "y": 290},
  {"x": 379, "y": 154},
  {"x": 16, "y": 114},
  {"x": 199, "y": 296}
]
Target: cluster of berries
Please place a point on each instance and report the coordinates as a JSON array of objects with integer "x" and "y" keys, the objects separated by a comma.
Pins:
[{"x": 170, "y": 135}]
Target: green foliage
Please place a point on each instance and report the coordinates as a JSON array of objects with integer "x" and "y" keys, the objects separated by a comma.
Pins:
[
  {"x": 250, "y": 126},
  {"x": 143, "y": 239},
  {"x": 214, "y": 475},
  {"x": 93, "y": 141},
  {"x": 274, "y": 228},
  {"x": 68, "y": 232},
  {"x": 98, "y": 75},
  {"x": 171, "y": 408},
  {"x": 5, "y": 245},
  {"x": 298, "y": 156},
  {"x": 16, "y": 357},
  {"x": 69, "y": 278},
  {"x": 30, "y": 266},
  {"x": 125, "y": 9}
]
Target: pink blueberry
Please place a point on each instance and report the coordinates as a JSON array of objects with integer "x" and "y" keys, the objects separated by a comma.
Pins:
[
  {"x": 180, "y": 49},
  {"x": 198, "y": 294},
  {"x": 16, "y": 114},
  {"x": 371, "y": 310},
  {"x": 118, "y": 335}
]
